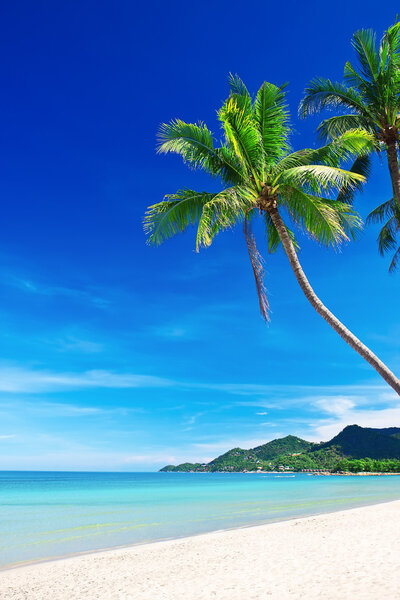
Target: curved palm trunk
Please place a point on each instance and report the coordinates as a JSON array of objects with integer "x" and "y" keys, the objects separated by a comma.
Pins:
[
  {"x": 325, "y": 313},
  {"x": 393, "y": 164}
]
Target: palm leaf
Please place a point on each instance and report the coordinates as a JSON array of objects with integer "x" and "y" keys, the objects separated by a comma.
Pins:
[
  {"x": 319, "y": 217},
  {"x": 395, "y": 261},
  {"x": 354, "y": 79},
  {"x": 323, "y": 93},
  {"x": 242, "y": 134},
  {"x": 338, "y": 125},
  {"x": 237, "y": 87},
  {"x": 319, "y": 178},
  {"x": 174, "y": 215},
  {"x": 194, "y": 142},
  {"x": 362, "y": 166},
  {"x": 381, "y": 212},
  {"x": 364, "y": 43},
  {"x": 387, "y": 236},
  {"x": 271, "y": 116},
  {"x": 220, "y": 212}
]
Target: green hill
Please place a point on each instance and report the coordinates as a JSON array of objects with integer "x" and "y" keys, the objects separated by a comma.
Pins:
[
  {"x": 287, "y": 445},
  {"x": 361, "y": 442},
  {"x": 293, "y": 453}
]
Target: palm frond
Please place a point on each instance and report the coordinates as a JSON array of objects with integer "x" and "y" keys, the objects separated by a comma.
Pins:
[
  {"x": 350, "y": 143},
  {"x": 271, "y": 116},
  {"x": 236, "y": 85},
  {"x": 390, "y": 46},
  {"x": 340, "y": 149},
  {"x": 225, "y": 209},
  {"x": 194, "y": 142},
  {"x": 258, "y": 270},
  {"x": 241, "y": 133},
  {"x": 328, "y": 222},
  {"x": 362, "y": 166},
  {"x": 364, "y": 43},
  {"x": 324, "y": 93},
  {"x": 387, "y": 236},
  {"x": 349, "y": 219},
  {"x": 381, "y": 212},
  {"x": 319, "y": 178},
  {"x": 354, "y": 79},
  {"x": 173, "y": 215},
  {"x": 338, "y": 125},
  {"x": 395, "y": 261}
]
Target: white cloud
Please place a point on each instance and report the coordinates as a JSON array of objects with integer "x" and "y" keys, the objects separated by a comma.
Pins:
[
  {"x": 86, "y": 295},
  {"x": 153, "y": 458},
  {"x": 75, "y": 344},
  {"x": 327, "y": 429},
  {"x": 224, "y": 445},
  {"x": 360, "y": 410},
  {"x": 262, "y": 413},
  {"x": 55, "y": 410},
  {"x": 336, "y": 405},
  {"x": 29, "y": 381}
]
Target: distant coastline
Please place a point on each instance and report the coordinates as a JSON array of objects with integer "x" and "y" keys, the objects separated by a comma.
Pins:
[
  {"x": 286, "y": 473},
  {"x": 354, "y": 451}
]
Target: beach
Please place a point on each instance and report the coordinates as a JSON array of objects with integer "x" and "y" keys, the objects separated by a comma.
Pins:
[{"x": 351, "y": 554}]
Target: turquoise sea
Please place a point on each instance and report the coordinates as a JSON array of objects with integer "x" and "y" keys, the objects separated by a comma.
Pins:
[{"x": 47, "y": 515}]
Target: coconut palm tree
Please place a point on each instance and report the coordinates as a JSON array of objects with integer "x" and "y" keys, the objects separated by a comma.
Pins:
[
  {"x": 262, "y": 179},
  {"x": 370, "y": 99}
]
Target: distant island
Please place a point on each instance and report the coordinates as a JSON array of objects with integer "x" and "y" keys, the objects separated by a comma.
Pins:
[{"x": 355, "y": 449}]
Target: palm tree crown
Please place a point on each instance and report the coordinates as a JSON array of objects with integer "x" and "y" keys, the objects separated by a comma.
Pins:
[
  {"x": 261, "y": 177},
  {"x": 369, "y": 97},
  {"x": 258, "y": 173}
]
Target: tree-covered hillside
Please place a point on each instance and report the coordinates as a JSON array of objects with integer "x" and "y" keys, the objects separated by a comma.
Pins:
[
  {"x": 283, "y": 446},
  {"x": 293, "y": 453},
  {"x": 360, "y": 442}
]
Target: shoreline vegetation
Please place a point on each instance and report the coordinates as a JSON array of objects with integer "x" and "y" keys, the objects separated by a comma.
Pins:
[
  {"x": 354, "y": 451},
  {"x": 316, "y": 472},
  {"x": 220, "y": 564}
]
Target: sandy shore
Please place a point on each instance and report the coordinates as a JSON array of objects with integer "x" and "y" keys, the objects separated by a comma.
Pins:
[{"x": 354, "y": 554}]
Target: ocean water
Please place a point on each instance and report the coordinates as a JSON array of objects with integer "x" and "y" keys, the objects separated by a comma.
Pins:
[{"x": 48, "y": 515}]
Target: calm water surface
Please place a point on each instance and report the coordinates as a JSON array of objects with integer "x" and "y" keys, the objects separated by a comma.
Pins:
[{"x": 44, "y": 515}]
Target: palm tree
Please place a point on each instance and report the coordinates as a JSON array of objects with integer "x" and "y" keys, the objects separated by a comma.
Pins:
[
  {"x": 261, "y": 178},
  {"x": 370, "y": 98}
]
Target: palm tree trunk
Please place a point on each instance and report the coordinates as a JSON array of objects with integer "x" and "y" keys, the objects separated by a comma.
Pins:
[
  {"x": 393, "y": 164},
  {"x": 325, "y": 313}
]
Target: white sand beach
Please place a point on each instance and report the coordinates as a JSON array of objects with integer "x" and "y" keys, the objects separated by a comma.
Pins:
[{"x": 353, "y": 554}]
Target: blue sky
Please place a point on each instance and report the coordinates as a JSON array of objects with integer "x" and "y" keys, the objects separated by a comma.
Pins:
[{"x": 117, "y": 356}]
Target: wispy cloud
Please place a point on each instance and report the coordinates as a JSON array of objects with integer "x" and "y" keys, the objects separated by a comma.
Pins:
[
  {"x": 325, "y": 429},
  {"x": 77, "y": 293},
  {"x": 29, "y": 381},
  {"x": 57, "y": 410},
  {"x": 227, "y": 444},
  {"x": 337, "y": 405},
  {"x": 193, "y": 418},
  {"x": 72, "y": 343},
  {"x": 378, "y": 410}
]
